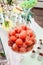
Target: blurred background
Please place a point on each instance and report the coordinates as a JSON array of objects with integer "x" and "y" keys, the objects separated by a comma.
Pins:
[{"x": 37, "y": 10}]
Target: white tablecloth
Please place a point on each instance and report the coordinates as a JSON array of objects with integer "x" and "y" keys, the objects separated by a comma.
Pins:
[{"x": 14, "y": 58}]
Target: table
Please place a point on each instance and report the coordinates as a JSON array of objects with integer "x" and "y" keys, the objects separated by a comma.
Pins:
[{"x": 14, "y": 58}]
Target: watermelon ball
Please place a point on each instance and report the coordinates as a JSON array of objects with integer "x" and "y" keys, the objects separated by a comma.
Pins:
[
  {"x": 29, "y": 42},
  {"x": 24, "y": 27},
  {"x": 22, "y": 50},
  {"x": 22, "y": 35},
  {"x": 15, "y": 47},
  {"x": 13, "y": 38},
  {"x": 19, "y": 42}
]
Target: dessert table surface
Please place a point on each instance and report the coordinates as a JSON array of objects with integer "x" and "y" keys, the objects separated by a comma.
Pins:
[{"x": 19, "y": 59}]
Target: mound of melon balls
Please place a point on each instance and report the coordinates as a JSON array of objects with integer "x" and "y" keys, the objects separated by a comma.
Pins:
[{"x": 21, "y": 39}]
